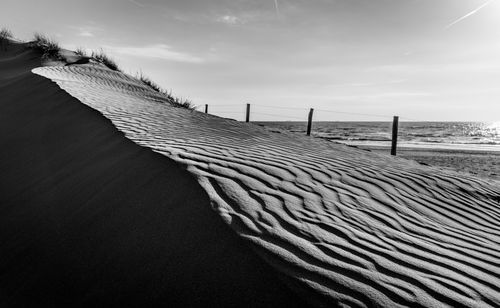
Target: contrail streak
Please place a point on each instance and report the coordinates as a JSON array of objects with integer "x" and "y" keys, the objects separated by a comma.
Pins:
[
  {"x": 469, "y": 14},
  {"x": 277, "y": 7}
]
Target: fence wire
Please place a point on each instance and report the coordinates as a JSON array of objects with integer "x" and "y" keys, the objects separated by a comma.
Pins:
[
  {"x": 230, "y": 109},
  {"x": 239, "y": 112}
]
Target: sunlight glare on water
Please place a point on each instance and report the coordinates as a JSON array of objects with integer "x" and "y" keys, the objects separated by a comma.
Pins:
[
  {"x": 486, "y": 132},
  {"x": 495, "y": 126},
  {"x": 484, "y": 136}
]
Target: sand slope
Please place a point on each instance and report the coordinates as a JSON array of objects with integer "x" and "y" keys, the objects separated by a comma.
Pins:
[
  {"x": 360, "y": 229},
  {"x": 90, "y": 219}
]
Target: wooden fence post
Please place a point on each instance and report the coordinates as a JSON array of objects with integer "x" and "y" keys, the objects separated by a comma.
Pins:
[
  {"x": 309, "y": 121},
  {"x": 206, "y": 108},
  {"x": 248, "y": 113},
  {"x": 394, "y": 135}
]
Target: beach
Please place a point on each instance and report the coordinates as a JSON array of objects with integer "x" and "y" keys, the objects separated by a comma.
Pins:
[
  {"x": 111, "y": 195},
  {"x": 484, "y": 164},
  {"x": 466, "y": 154}
]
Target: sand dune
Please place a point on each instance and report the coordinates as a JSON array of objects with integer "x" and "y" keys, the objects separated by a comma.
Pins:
[
  {"x": 90, "y": 219},
  {"x": 349, "y": 227}
]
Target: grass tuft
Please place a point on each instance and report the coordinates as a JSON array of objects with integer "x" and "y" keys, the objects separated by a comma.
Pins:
[
  {"x": 182, "y": 103},
  {"x": 5, "y": 34},
  {"x": 48, "y": 47},
  {"x": 81, "y": 52},
  {"x": 5, "y": 37},
  {"x": 179, "y": 101},
  {"x": 174, "y": 101},
  {"x": 100, "y": 56},
  {"x": 147, "y": 81},
  {"x": 51, "y": 49}
]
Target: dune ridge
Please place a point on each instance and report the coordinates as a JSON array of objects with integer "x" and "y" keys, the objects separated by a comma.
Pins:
[
  {"x": 361, "y": 229},
  {"x": 90, "y": 219}
]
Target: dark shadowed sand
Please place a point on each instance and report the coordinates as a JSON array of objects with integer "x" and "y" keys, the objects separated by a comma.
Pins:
[
  {"x": 88, "y": 218},
  {"x": 191, "y": 209}
]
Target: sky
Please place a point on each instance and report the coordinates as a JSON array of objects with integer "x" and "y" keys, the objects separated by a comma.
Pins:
[{"x": 355, "y": 60}]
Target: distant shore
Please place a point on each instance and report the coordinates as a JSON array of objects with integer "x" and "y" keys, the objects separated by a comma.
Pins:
[
  {"x": 484, "y": 164},
  {"x": 481, "y": 160}
]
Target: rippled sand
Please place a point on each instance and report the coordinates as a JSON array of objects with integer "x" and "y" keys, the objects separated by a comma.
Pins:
[{"x": 350, "y": 227}]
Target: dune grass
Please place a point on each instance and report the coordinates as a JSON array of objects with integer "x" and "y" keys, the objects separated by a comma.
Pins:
[
  {"x": 45, "y": 45},
  {"x": 101, "y": 57},
  {"x": 147, "y": 81},
  {"x": 81, "y": 52},
  {"x": 181, "y": 102},
  {"x": 175, "y": 101},
  {"x": 5, "y": 34},
  {"x": 49, "y": 48},
  {"x": 5, "y": 37}
]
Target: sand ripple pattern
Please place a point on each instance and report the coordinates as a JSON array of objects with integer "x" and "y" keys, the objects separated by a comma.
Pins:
[{"x": 355, "y": 228}]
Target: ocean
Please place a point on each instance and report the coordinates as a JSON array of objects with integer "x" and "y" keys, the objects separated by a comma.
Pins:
[{"x": 432, "y": 135}]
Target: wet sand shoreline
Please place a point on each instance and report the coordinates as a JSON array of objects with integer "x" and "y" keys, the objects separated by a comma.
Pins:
[{"x": 483, "y": 164}]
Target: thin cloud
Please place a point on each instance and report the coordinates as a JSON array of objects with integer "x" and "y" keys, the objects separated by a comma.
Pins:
[
  {"x": 86, "y": 31},
  {"x": 229, "y": 19},
  {"x": 137, "y": 3},
  {"x": 157, "y": 51},
  {"x": 369, "y": 84},
  {"x": 469, "y": 14}
]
